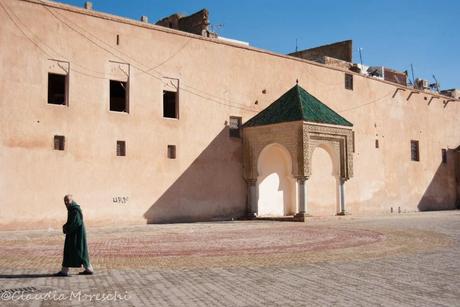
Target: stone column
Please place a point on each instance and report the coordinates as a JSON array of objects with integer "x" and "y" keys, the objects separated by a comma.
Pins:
[
  {"x": 252, "y": 198},
  {"x": 342, "y": 197},
  {"x": 302, "y": 199}
]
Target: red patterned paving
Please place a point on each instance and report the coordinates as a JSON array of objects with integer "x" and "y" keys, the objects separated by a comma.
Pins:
[{"x": 250, "y": 239}]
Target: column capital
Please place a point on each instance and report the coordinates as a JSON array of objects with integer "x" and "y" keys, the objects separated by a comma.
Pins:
[
  {"x": 301, "y": 216},
  {"x": 251, "y": 181},
  {"x": 302, "y": 179}
]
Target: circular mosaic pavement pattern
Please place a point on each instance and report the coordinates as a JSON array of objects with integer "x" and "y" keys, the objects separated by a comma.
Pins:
[{"x": 210, "y": 244}]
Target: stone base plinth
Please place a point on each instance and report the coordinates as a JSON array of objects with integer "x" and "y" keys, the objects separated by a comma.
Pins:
[{"x": 301, "y": 217}]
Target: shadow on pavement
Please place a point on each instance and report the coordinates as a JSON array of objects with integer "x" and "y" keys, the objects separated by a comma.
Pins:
[{"x": 26, "y": 275}]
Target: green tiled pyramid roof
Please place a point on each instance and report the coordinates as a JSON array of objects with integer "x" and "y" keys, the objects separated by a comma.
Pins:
[{"x": 297, "y": 104}]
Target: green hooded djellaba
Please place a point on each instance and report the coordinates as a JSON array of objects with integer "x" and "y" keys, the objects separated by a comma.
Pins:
[{"x": 75, "y": 247}]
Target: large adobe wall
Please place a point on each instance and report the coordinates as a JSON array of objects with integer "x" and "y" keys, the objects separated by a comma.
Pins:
[{"x": 217, "y": 80}]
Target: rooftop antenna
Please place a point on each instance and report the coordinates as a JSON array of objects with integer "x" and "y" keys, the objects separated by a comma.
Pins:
[
  {"x": 406, "y": 72},
  {"x": 361, "y": 56},
  {"x": 296, "y": 47},
  {"x": 412, "y": 70},
  {"x": 435, "y": 85},
  {"x": 217, "y": 27}
]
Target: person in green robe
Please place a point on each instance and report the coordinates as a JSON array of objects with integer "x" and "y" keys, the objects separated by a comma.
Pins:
[{"x": 75, "y": 247}]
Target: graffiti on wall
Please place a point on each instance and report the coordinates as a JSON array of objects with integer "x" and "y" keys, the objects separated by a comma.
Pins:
[{"x": 120, "y": 200}]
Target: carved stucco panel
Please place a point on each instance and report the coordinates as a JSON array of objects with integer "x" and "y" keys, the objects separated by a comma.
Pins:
[
  {"x": 257, "y": 138},
  {"x": 305, "y": 149},
  {"x": 338, "y": 139},
  {"x": 300, "y": 139}
]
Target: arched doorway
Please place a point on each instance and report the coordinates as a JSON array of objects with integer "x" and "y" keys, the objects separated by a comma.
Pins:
[
  {"x": 275, "y": 184},
  {"x": 323, "y": 197}
]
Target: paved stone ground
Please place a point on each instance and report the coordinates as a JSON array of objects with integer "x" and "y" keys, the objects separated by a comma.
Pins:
[{"x": 409, "y": 259}]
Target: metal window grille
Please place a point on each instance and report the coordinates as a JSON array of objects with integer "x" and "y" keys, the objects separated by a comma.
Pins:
[
  {"x": 235, "y": 126},
  {"x": 172, "y": 151},
  {"x": 121, "y": 148},
  {"x": 444, "y": 156},
  {"x": 59, "y": 142},
  {"x": 414, "y": 151},
  {"x": 349, "y": 82}
]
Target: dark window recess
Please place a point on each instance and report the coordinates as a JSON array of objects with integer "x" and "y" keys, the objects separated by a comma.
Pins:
[
  {"x": 118, "y": 96},
  {"x": 444, "y": 156},
  {"x": 235, "y": 126},
  {"x": 414, "y": 151},
  {"x": 57, "y": 89},
  {"x": 376, "y": 143},
  {"x": 121, "y": 148},
  {"x": 118, "y": 39},
  {"x": 170, "y": 104},
  {"x": 59, "y": 142},
  {"x": 349, "y": 82},
  {"x": 172, "y": 151}
]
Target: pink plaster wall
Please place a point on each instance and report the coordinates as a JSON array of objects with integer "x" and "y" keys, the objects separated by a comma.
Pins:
[{"x": 217, "y": 80}]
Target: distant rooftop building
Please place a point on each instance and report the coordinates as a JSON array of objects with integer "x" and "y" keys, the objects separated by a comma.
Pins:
[
  {"x": 454, "y": 93},
  {"x": 197, "y": 23},
  {"x": 340, "y": 50},
  {"x": 340, "y": 54}
]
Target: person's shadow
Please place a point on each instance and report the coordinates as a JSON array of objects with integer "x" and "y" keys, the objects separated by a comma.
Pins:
[{"x": 26, "y": 275}]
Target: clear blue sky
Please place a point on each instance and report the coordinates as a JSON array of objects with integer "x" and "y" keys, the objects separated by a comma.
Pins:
[{"x": 392, "y": 33}]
